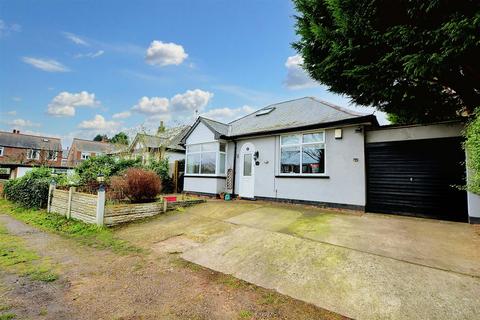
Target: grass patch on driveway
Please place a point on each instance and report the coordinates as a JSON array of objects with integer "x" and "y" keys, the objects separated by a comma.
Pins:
[
  {"x": 87, "y": 234},
  {"x": 16, "y": 258}
]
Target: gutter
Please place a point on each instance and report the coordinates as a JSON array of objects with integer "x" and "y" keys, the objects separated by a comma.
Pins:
[{"x": 365, "y": 120}]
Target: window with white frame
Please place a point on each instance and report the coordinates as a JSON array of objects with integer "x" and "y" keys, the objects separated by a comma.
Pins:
[
  {"x": 33, "y": 154},
  {"x": 1, "y": 151},
  {"x": 52, "y": 155},
  {"x": 85, "y": 155},
  {"x": 206, "y": 158},
  {"x": 302, "y": 153}
]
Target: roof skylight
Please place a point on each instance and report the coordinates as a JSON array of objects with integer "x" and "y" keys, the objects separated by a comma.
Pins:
[{"x": 265, "y": 111}]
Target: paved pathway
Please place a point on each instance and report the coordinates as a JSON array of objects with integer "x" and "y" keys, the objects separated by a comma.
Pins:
[{"x": 364, "y": 267}]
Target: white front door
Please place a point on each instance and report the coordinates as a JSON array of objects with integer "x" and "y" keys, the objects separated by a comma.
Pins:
[{"x": 247, "y": 170}]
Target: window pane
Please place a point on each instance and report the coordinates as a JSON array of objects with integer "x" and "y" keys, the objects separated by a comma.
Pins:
[
  {"x": 194, "y": 148},
  {"x": 247, "y": 165},
  {"x": 313, "y": 159},
  {"x": 313, "y": 137},
  {"x": 290, "y": 160},
  {"x": 193, "y": 163},
  {"x": 209, "y": 147},
  {"x": 221, "y": 165},
  {"x": 293, "y": 139},
  {"x": 208, "y": 162},
  {"x": 223, "y": 146}
]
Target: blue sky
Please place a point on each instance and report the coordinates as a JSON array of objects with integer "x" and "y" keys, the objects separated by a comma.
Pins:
[{"x": 77, "y": 68}]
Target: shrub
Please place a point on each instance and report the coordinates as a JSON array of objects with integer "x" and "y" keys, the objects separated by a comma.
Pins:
[
  {"x": 138, "y": 185},
  {"x": 472, "y": 145},
  {"x": 89, "y": 169},
  {"x": 161, "y": 168},
  {"x": 31, "y": 190}
]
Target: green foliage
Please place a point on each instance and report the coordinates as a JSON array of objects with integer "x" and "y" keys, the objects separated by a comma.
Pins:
[
  {"x": 31, "y": 190},
  {"x": 16, "y": 258},
  {"x": 87, "y": 234},
  {"x": 120, "y": 138},
  {"x": 101, "y": 137},
  {"x": 415, "y": 59},
  {"x": 161, "y": 169},
  {"x": 472, "y": 145},
  {"x": 89, "y": 169}
]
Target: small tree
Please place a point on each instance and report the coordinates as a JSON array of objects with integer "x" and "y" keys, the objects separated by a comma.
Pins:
[
  {"x": 120, "y": 138},
  {"x": 101, "y": 137}
]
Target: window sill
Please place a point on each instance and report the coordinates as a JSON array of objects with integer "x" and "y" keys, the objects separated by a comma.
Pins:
[
  {"x": 303, "y": 176},
  {"x": 204, "y": 176}
]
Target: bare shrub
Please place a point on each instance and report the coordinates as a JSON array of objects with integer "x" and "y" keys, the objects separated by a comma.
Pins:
[{"x": 136, "y": 184}]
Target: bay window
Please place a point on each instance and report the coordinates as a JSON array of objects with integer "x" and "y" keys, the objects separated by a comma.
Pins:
[
  {"x": 206, "y": 158},
  {"x": 302, "y": 153}
]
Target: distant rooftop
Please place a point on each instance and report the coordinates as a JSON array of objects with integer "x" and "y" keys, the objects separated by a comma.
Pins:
[
  {"x": 20, "y": 140},
  {"x": 95, "y": 146}
]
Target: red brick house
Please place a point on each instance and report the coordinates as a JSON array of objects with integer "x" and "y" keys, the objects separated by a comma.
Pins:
[
  {"x": 19, "y": 152},
  {"x": 81, "y": 150}
]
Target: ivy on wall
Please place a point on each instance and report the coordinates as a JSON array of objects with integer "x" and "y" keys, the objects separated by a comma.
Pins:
[{"x": 472, "y": 145}]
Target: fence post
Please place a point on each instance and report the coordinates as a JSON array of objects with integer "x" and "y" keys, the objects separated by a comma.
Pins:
[
  {"x": 51, "y": 188},
  {"x": 69, "y": 204},
  {"x": 165, "y": 203},
  {"x": 100, "y": 205}
]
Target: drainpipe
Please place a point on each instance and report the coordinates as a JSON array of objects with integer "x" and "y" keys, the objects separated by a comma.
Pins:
[{"x": 234, "y": 167}]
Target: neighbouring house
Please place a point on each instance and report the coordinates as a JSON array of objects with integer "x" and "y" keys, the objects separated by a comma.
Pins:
[
  {"x": 314, "y": 152},
  {"x": 20, "y": 152},
  {"x": 165, "y": 144},
  {"x": 81, "y": 150}
]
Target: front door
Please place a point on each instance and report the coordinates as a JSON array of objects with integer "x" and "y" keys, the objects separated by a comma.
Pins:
[{"x": 247, "y": 169}]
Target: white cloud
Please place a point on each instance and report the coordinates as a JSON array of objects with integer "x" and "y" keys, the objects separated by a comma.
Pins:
[
  {"x": 191, "y": 100},
  {"x": 64, "y": 104},
  {"x": 163, "y": 54},
  {"x": 6, "y": 29},
  {"x": 46, "y": 65},
  {"x": 17, "y": 99},
  {"x": 75, "y": 39},
  {"x": 23, "y": 123},
  {"x": 12, "y": 113},
  {"x": 122, "y": 115},
  {"x": 297, "y": 78},
  {"x": 228, "y": 114},
  {"x": 92, "y": 55},
  {"x": 98, "y": 123},
  {"x": 153, "y": 105}
]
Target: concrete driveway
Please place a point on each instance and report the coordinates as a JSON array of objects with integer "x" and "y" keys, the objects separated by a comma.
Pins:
[{"x": 365, "y": 266}]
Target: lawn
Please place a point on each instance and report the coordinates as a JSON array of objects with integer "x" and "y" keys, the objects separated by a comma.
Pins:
[{"x": 87, "y": 234}]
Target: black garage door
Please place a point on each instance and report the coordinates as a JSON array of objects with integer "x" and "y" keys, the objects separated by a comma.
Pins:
[{"x": 417, "y": 178}]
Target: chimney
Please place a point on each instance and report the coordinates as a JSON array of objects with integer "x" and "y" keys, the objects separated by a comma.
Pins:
[{"x": 161, "y": 128}]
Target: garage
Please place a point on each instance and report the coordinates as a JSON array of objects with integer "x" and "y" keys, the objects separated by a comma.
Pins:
[{"x": 416, "y": 172}]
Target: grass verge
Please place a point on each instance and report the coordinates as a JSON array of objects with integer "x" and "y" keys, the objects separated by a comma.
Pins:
[
  {"x": 87, "y": 234},
  {"x": 16, "y": 258}
]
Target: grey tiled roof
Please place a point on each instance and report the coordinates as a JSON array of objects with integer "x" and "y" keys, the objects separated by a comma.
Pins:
[
  {"x": 294, "y": 114},
  {"x": 219, "y": 127},
  {"x": 95, "y": 146},
  {"x": 17, "y": 140},
  {"x": 291, "y": 114}
]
